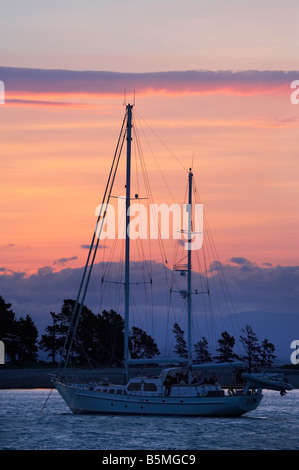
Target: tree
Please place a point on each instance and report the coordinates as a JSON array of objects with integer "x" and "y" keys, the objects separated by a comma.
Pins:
[
  {"x": 225, "y": 350},
  {"x": 266, "y": 353},
  {"x": 54, "y": 340},
  {"x": 8, "y": 327},
  {"x": 85, "y": 346},
  {"x": 141, "y": 344},
  {"x": 26, "y": 335},
  {"x": 51, "y": 342},
  {"x": 181, "y": 346},
  {"x": 202, "y": 352},
  {"x": 110, "y": 340},
  {"x": 99, "y": 338},
  {"x": 19, "y": 336},
  {"x": 250, "y": 343}
]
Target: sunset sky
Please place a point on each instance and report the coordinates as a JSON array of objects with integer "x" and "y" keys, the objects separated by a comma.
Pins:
[{"x": 212, "y": 80}]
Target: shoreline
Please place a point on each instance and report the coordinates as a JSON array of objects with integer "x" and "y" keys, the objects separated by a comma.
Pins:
[{"x": 40, "y": 377}]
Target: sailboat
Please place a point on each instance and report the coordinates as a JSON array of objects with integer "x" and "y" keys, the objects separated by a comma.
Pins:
[{"x": 183, "y": 387}]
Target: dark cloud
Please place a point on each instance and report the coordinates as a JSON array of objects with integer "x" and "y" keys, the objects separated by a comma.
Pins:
[
  {"x": 266, "y": 297},
  {"x": 62, "y": 261},
  {"x": 215, "y": 266},
  {"x": 239, "y": 260},
  {"x": 63, "y": 104},
  {"x": 46, "y": 270},
  {"x": 103, "y": 82}
]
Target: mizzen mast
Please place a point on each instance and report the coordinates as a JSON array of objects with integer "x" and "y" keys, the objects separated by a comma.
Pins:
[{"x": 189, "y": 294}]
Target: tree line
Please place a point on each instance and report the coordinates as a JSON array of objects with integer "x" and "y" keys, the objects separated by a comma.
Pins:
[
  {"x": 100, "y": 340},
  {"x": 256, "y": 354}
]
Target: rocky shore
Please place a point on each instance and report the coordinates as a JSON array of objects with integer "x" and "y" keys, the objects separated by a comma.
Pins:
[{"x": 13, "y": 378}]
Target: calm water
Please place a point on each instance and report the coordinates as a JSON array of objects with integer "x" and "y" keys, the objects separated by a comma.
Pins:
[{"x": 23, "y": 426}]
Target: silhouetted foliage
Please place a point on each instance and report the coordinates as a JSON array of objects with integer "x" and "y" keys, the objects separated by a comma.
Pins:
[
  {"x": 202, "y": 351},
  {"x": 257, "y": 355},
  {"x": 8, "y": 329},
  {"x": 266, "y": 353},
  {"x": 225, "y": 350},
  {"x": 100, "y": 339},
  {"x": 19, "y": 336},
  {"x": 181, "y": 346},
  {"x": 26, "y": 340},
  {"x": 110, "y": 341},
  {"x": 250, "y": 343},
  {"x": 141, "y": 344},
  {"x": 52, "y": 341}
]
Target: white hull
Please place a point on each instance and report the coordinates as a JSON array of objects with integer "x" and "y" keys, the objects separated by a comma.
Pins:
[{"x": 81, "y": 400}]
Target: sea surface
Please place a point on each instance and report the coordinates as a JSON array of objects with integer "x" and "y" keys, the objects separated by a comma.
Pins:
[{"x": 33, "y": 420}]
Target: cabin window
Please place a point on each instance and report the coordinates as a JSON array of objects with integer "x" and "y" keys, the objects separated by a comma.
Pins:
[
  {"x": 149, "y": 387},
  {"x": 134, "y": 386}
]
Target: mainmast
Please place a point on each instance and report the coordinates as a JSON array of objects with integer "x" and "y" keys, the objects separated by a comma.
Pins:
[
  {"x": 127, "y": 247},
  {"x": 189, "y": 297}
]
